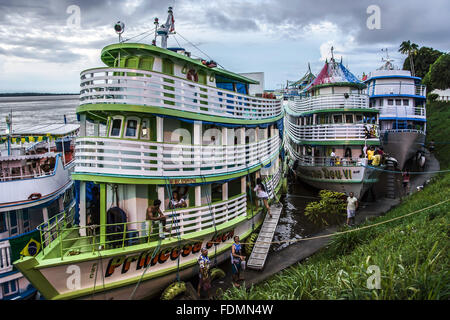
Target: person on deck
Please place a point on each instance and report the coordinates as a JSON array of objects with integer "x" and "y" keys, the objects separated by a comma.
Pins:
[
  {"x": 352, "y": 205},
  {"x": 204, "y": 273},
  {"x": 236, "y": 261},
  {"x": 370, "y": 154},
  {"x": 177, "y": 201},
  {"x": 154, "y": 214},
  {"x": 262, "y": 195},
  {"x": 333, "y": 156}
]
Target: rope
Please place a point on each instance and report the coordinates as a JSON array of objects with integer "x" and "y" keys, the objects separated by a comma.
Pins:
[
  {"x": 139, "y": 35},
  {"x": 401, "y": 172},
  {"x": 146, "y": 268},
  {"x": 208, "y": 199},
  {"x": 342, "y": 232},
  {"x": 198, "y": 49},
  {"x": 169, "y": 190}
]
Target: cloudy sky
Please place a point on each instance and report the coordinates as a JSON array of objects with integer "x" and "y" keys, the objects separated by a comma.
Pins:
[{"x": 43, "y": 50}]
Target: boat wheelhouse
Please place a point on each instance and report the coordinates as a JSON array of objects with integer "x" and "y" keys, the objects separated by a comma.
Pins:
[
  {"x": 327, "y": 127},
  {"x": 162, "y": 122},
  {"x": 294, "y": 88},
  {"x": 35, "y": 191},
  {"x": 400, "y": 98}
]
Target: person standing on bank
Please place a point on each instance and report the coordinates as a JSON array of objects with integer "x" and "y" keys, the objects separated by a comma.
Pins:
[
  {"x": 352, "y": 206},
  {"x": 236, "y": 260},
  {"x": 204, "y": 280},
  {"x": 262, "y": 195}
]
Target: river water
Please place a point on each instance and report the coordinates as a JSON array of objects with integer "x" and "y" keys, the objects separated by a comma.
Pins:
[{"x": 292, "y": 224}]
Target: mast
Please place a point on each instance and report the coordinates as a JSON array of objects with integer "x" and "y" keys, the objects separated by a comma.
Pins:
[
  {"x": 165, "y": 29},
  {"x": 9, "y": 130}
]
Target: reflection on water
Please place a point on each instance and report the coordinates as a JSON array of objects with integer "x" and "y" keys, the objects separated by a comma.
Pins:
[{"x": 293, "y": 224}]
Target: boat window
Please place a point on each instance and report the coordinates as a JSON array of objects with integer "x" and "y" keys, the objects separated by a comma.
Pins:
[
  {"x": 145, "y": 130},
  {"x": 398, "y": 102},
  {"x": 13, "y": 223},
  {"x": 359, "y": 118},
  {"x": 337, "y": 118},
  {"x": 115, "y": 127},
  {"x": 131, "y": 129},
  {"x": 348, "y": 118},
  {"x": 380, "y": 102},
  {"x": 390, "y": 102},
  {"x": 2, "y": 223},
  {"x": 405, "y": 102}
]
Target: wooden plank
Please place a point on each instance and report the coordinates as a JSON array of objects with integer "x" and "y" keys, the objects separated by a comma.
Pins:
[{"x": 261, "y": 248}]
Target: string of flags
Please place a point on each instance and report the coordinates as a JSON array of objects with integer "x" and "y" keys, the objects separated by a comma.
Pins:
[{"x": 39, "y": 138}]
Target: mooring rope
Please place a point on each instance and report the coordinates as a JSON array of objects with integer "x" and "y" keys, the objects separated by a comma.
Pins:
[
  {"x": 401, "y": 172},
  {"x": 341, "y": 232}
]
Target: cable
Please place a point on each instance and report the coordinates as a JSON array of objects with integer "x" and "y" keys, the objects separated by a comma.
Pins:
[
  {"x": 347, "y": 231},
  {"x": 401, "y": 172},
  {"x": 198, "y": 49},
  {"x": 139, "y": 35}
]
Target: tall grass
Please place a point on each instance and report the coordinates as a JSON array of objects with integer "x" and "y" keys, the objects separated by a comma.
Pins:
[{"x": 412, "y": 254}]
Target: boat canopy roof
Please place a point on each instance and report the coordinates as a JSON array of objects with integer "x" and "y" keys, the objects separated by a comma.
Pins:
[
  {"x": 111, "y": 52},
  {"x": 334, "y": 73},
  {"x": 55, "y": 130},
  {"x": 307, "y": 78},
  {"x": 28, "y": 156}
]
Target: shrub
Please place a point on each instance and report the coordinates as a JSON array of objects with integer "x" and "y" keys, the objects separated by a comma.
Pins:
[{"x": 330, "y": 209}]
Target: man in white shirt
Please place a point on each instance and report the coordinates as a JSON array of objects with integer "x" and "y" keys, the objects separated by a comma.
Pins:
[
  {"x": 352, "y": 205},
  {"x": 333, "y": 157}
]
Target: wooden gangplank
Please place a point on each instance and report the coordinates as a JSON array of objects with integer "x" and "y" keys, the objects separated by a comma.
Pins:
[{"x": 261, "y": 248}]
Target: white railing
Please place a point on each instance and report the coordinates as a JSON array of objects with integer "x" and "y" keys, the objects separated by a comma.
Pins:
[
  {"x": 325, "y": 161},
  {"x": 329, "y": 101},
  {"x": 5, "y": 257},
  {"x": 402, "y": 130},
  {"x": 201, "y": 218},
  {"x": 397, "y": 88},
  {"x": 272, "y": 183},
  {"x": 127, "y": 157},
  {"x": 402, "y": 111},
  {"x": 330, "y": 132},
  {"x": 147, "y": 88}
]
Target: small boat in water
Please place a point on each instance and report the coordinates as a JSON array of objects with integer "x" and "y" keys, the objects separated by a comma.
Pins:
[
  {"x": 400, "y": 98},
  {"x": 328, "y": 125},
  {"x": 176, "y": 129},
  {"x": 35, "y": 190}
]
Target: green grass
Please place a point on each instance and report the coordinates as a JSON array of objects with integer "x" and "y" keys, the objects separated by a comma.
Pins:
[
  {"x": 412, "y": 254},
  {"x": 438, "y": 114}
]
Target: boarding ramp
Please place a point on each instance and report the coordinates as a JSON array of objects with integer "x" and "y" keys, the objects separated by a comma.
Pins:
[{"x": 262, "y": 245}]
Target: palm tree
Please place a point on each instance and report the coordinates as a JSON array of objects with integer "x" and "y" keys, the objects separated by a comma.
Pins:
[{"x": 406, "y": 47}]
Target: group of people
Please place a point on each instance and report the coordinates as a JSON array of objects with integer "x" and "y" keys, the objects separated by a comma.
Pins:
[
  {"x": 375, "y": 156},
  {"x": 204, "y": 263}
]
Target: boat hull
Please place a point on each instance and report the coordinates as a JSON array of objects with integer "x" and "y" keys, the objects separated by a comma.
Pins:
[
  {"x": 115, "y": 275},
  {"x": 346, "y": 179},
  {"x": 402, "y": 145}
]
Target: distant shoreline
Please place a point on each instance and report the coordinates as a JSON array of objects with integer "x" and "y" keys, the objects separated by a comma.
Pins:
[{"x": 18, "y": 97}]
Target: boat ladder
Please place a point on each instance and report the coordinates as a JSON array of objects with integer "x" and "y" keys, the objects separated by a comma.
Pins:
[{"x": 261, "y": 248}]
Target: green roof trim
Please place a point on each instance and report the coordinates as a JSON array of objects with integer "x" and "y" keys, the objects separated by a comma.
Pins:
[
  {"x": 110, "y": 53},
  {"x": 96, "y": 112}
]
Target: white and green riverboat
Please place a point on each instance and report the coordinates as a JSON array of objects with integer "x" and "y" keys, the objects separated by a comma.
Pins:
[
  {"x": 327, "y": 127},
  {"x": 161, "y": 121}
]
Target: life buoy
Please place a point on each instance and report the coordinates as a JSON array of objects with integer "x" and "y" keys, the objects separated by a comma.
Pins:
[
  {"x": 34, "y": 196},
  {"x": 192, "y": 75}
]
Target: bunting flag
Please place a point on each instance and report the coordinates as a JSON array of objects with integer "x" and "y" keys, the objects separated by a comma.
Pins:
[{"x": 14, "y": 140}]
